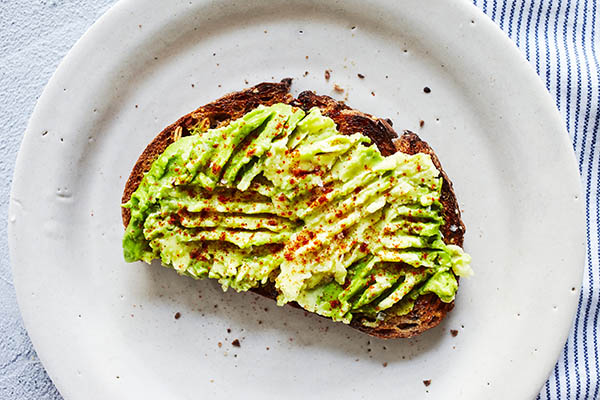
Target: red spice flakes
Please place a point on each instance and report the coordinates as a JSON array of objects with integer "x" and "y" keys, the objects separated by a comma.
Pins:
[
  {"x": 198, "y": 254},
  {"x": 453, "y": 332},
  {"x": 363, "y": 247},
  {"x": 427, "y": 382},
  {"x": 327, "y": 74},
  {"x": 177, "y": 315},
  {"x": 221, "y": 198},
  {"x": 322, "y": 199},
  {"x": 418, "y": 167},
  {"x": 250, "y": 152},
  {"x": 215, "y": 168},
  {"x": 426, "y": 89},
  {"x": 334, "y": 303},
  {"x": 236, "y": 343},
  {"x": 421, "y": 123}
]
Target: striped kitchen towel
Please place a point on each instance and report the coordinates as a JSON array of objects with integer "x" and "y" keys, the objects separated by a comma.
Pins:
[{"x": 559, "y": 38}]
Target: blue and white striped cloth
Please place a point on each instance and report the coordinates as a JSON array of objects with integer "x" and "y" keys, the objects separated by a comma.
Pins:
[{"x": 560, "y": 39}]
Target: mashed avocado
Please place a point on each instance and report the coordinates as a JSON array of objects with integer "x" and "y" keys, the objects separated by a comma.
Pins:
[{"x": 281, "y": 196}]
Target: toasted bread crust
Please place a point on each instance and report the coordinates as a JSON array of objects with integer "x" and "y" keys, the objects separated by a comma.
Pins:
[{"x": 429, "y": 310}]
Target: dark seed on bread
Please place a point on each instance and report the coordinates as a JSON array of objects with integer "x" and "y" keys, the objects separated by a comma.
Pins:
[{"x": 428, "y": 310}]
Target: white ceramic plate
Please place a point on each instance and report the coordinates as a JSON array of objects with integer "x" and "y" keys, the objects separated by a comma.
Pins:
[{"x": 105, "y": 329}]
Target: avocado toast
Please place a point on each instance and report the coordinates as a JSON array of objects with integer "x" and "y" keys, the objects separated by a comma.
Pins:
[{"x": 305, "y": 201}]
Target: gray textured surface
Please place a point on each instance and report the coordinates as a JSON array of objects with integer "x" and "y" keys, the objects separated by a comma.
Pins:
[{"x": 34, "y": 37}]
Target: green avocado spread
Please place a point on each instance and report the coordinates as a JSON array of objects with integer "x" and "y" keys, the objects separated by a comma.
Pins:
[{"x": 280, "y": 196}]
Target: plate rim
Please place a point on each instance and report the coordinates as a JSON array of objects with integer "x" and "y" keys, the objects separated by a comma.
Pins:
[{"x": 20, "y": 171}]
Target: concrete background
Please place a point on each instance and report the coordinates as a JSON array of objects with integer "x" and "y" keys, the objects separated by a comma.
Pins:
[{"x": 34, "y": 36}]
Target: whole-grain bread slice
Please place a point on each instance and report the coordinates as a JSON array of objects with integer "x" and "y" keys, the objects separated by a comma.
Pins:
[{"x": 429, "y": 310}]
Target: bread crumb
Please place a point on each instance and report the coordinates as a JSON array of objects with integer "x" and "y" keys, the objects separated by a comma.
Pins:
[
  {"x": 361, "y": 76},
  {"x": 421, "y": 123},
  {"x": 384, "y": 364},
  {"x": 220, "y": 344},
  {"x": 426, "y": 89},
  {"x": 372, "y": 93},
  {"x": 338, "y": 88},
  {"x": 177, "y": 315},
  {"x": 453, "y": 332},
  {"x": 327, "y": 74},
  {"x": 427, "y": 382},
  {"x": 228, "y": 330},
  {"x": 305, "y": 73},
  {"x": 193, "y": 85},
  {"x": 236, "y": 343}
]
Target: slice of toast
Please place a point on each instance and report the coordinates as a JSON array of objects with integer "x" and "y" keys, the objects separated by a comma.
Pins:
[{"x": 429, "y": 310}]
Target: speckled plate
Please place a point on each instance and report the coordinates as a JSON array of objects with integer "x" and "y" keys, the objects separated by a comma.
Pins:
[{"x": 105, "y": 329}]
